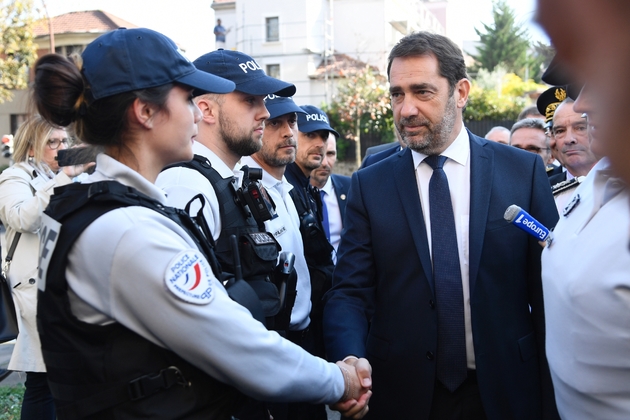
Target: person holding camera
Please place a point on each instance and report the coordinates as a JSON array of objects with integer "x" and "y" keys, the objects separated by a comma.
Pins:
[
  {"x": 133, "y": 319},
  {"x": 25, "y": 189}
]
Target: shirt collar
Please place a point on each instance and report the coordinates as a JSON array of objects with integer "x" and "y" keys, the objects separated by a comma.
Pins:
[
  {"x": 328, "y": 187},
  {"x": 108, "y": 168},
  {"x": 216, "y": 162},
  {"x": 458, "y": 151},
  {"x": 268, "y": 180},
  {"x": 297, "y": 173}
]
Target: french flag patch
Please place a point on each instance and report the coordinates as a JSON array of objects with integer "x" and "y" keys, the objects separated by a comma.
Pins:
[{"x": 189, "y": 277}]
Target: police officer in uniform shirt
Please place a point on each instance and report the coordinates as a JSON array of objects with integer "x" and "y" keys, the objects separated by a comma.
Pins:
[
  {"x": 279, "y": 150},
  {"x": 231, "y": 127},
  {"x": 133, "y": 320},
  {"x": 313, "y": 133},
  {"x": 586, "y": 301}
]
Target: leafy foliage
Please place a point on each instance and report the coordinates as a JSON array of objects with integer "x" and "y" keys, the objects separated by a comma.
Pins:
[
  {"x": 17, "y": 49},
  {"x": 361, "y": 106},
  {"x": 498, "y": 95},
  {"x": 11, "y": 402},
  {"x": 505, "y": 43}
]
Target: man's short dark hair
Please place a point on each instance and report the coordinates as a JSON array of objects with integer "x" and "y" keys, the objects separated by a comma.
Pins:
[{"x": 449, "y": 56}]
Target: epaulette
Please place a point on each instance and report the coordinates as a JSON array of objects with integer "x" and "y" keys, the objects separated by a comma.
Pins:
[{"x": 567, "y": 185}]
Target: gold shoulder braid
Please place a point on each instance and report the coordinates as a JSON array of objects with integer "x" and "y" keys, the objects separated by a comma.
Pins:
[{"x": 566, "y": 185}]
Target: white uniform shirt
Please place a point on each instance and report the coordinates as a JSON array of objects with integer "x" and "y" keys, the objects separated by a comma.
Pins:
[
  {"x": 119, "y": 271},
  {"x": 182, "y": 184},
  {"x": 457, "y": 169},
  {"x": 586, "y": 284},
  {"x": 286, "y": 229}
]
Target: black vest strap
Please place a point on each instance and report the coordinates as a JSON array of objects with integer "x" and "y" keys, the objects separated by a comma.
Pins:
[
  {"x": 258, "y": 258},
  {"x": 96, "y": 199},
  {"x": 63, "y": 337}
]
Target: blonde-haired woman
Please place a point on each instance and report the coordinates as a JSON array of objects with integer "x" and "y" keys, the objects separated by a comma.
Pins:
[{"x": 25, "y": 189}]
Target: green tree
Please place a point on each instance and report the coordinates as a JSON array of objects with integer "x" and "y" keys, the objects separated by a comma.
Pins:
[
  {"x": 17, "y": 49},
  {"x": 499, "y": 95},
  {"x": 539, "y": 59},
  {"x": 361, "y": 105},
  {"x": 502, "y": 42}
]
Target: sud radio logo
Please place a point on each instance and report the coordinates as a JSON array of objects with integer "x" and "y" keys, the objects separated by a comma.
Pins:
[{"x": 188, "y": 277}]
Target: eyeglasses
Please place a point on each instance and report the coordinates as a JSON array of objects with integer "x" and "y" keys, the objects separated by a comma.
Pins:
[
  {"x": 579, "y": 128},
  {"x": 55, "y": 143}
]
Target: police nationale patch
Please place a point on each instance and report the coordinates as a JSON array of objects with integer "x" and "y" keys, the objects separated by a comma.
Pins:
[{"x": 189, "y": 277}]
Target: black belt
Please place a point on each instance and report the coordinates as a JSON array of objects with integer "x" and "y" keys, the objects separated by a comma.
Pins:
[{"x": 297, "y": 336}]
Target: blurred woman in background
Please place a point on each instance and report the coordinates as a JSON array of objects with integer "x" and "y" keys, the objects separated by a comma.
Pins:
[{"x": 25, "y": 189}]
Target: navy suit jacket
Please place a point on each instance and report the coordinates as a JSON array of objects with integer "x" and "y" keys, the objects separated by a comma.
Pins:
[
  {"x": 382, "y": 303},
  {"x": 371, "y": 158},
  {"x": 341, "y": 184}
]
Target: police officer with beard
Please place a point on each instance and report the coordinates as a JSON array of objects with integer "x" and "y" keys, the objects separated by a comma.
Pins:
[{"x": 231, "y": 127}]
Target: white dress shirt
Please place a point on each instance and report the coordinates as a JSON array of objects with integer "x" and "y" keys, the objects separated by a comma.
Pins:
[
  {"x": 286, "y": 229},
  {"x": 457, "y": 169},
  {"x": 334, "y": 215}
]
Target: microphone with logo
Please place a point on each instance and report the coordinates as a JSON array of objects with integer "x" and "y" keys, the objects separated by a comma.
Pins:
[{"x": 523, "y": 220}]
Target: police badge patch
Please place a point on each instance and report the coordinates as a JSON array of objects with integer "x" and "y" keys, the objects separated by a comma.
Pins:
[{"x": 189, "y": 277}]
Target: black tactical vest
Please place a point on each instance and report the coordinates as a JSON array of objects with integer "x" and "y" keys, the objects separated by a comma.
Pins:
[
  {"x": 258, "y": 250},
  {"x": 106, "y": 372}
]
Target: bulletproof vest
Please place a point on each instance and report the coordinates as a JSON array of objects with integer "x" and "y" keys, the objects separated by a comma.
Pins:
[
  {"x": 257, "y": 250},
  {"x": 109, "y": 371}
]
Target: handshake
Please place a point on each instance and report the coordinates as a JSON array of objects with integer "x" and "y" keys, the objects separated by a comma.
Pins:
[{"x": 357, "y": 375}]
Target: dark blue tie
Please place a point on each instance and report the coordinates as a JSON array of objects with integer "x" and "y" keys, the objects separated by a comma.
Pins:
[
  {"x": 447, "y": 278},
  {"x": 322, "y": 193}
]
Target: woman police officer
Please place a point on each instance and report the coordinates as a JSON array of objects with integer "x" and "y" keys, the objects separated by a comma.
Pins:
[{"x": 134, "y": 323}]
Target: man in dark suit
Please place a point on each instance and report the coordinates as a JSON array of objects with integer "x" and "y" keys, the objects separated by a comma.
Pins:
[
  {"x": 432, "y": 285},
  {"x": 382, "y": 151},
  {"x": 334, "y": 191}
]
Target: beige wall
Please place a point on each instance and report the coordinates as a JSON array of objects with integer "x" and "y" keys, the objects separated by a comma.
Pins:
[{"x": 17, "y": 105}]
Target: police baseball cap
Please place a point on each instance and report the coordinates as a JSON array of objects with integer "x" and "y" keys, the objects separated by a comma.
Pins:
[
  {"x": 244, "y": 71},
  {"x": 314, "y": 119},
  {"x": 125, "y": 60},
  {"x": 279, "y": 105}
]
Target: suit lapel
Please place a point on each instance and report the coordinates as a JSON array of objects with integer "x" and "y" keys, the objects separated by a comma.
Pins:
[
  {"x": 407, "y": 186},
  {"x": 481, "y": 177},
  {"x": 341, "y": 193}
]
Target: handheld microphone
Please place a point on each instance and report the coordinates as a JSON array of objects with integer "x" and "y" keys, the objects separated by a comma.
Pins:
[{"x": 523, "y": 220}]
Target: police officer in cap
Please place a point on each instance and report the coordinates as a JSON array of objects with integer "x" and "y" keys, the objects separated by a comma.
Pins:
[
  {"x": 279, "y": 149},
  {"x": 585, "y": 279},
  {"x": 314, "y": 129},
  {"x": 231, "y": 127}
]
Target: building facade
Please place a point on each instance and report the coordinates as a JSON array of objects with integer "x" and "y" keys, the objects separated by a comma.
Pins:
[{"x": 305, "y": 42}]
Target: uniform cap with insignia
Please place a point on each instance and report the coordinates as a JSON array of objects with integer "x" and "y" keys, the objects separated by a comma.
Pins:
[{"x": 549, "y": 100}]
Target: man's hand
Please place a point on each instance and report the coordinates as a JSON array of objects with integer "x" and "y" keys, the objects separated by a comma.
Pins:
[{"x": 358, "y": 382}]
